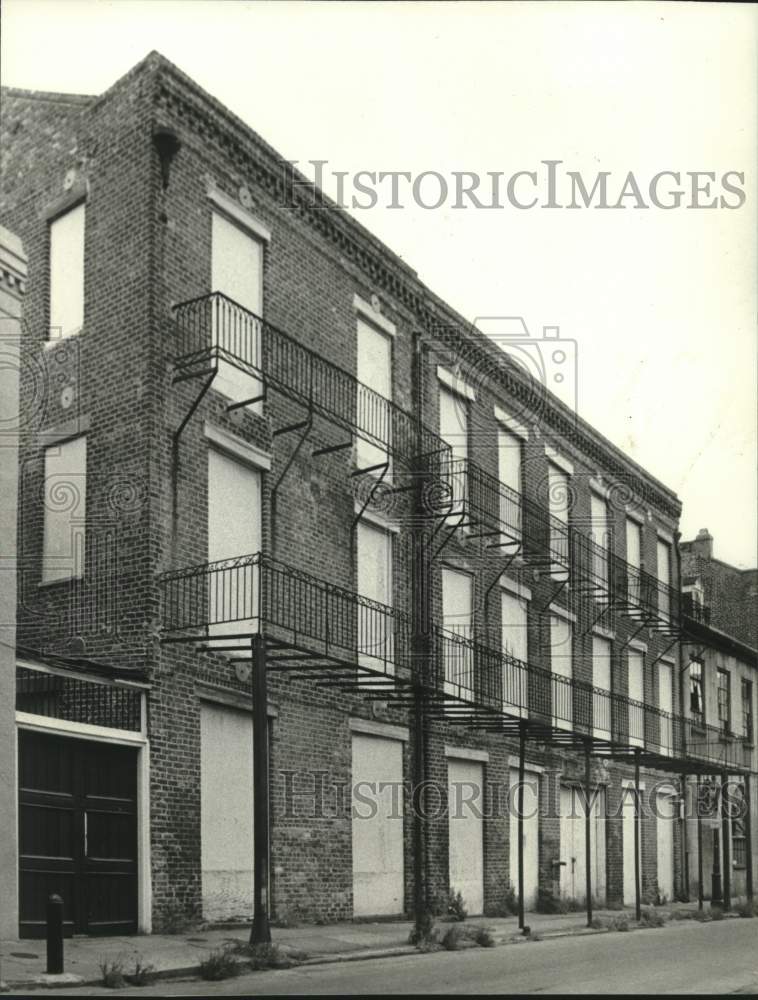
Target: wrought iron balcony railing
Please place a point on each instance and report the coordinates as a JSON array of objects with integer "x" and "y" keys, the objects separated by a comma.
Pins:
[
  {"x": 213, "y": 328},
  {"x": 693, "y": 609},
  {"x": 222, "y": 605}
]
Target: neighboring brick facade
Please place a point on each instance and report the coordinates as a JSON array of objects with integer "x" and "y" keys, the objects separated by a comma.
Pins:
[{"x": 148, "y": 247}]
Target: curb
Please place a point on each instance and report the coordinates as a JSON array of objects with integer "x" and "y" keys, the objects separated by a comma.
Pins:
[{"x": 363, "y": 955}]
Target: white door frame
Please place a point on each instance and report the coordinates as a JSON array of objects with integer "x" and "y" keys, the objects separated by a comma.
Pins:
[{"x": 120, "y": 737}]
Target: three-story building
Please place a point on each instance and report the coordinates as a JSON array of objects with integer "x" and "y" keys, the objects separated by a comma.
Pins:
[{"x": 276, "y": 493}]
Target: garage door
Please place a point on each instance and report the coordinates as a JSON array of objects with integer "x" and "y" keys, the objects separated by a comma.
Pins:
[
  {"x": 573, "y": 844},
  {"x": 77, "y": 834},
  {"x": 226, "y": 812},
  {"x": 666, "y": 818},
  {"x": 378, "y": 870},
  {"x": 531, "y": 835},
  {"x": 466, "y": 831},
  {"x": 628, "y": 821}
]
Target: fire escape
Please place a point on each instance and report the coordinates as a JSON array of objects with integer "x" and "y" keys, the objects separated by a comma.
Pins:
[{"x": 265, "y": 616}]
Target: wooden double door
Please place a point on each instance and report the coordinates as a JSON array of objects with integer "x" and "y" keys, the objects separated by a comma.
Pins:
[{"x": 77, "y": 834}]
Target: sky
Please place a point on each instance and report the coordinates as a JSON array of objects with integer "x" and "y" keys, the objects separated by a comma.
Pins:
[{"x": 658, "y": 305}]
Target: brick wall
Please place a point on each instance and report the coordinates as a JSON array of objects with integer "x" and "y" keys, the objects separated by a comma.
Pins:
[{"x": 146, "y": 250}]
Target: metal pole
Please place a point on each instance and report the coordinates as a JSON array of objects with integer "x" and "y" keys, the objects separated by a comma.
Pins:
[
  {"x": 748, "y": 842},
  {"x": 588, "y": 832},
  {"x": 422, "y": 652},
  {"x": 685, "y": 884},
  {"x": 699, "y": 848},
  {"x": 637, "y": 837},
  {"x": 54, "y": 935},
  {"x": 520, "y": 820},
  {"x": 420, "y": 908},
  {"x": 725, "y": 843},
  {"x": 260, "y": 932},
  {"x": 716, "y": 896}
]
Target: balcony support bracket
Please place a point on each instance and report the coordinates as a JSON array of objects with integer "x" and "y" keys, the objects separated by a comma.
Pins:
[
  {"x": 632, "y": 637},
  {"x": 195, "y": 403},
  {"x": 370, "y": 495}
]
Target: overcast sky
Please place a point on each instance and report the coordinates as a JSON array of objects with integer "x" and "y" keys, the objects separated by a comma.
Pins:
[{"x": 661, "y": 304}]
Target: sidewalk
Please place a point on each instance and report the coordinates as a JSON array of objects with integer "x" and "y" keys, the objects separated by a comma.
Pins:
[{"x": 22, "y": 963}]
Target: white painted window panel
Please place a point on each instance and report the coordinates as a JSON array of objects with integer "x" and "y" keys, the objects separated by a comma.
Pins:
[
  {"x": 601, "y": 682},
  {"x": 234, "y": 529},
  {"x": 510, "y": 471},
  {"x": 573, "y": 877},
  {"x": 627, "y": 832},
  {"x": 374, "y": 372},
  {"x": 559, "y": 493},
  {"x": 67, "y": 273},
  {"x": 665, "y": 823},
  {"x": 601, "y": 537},
  {"x": 561, "y": 664},
  {"x": 377, "y": 826},
  {"x": 457, "y": 617},
  {"x": 237, "y": 272},
  {"x": 634, "y": 559},
  {"x": 666, "y": 705},
  {"x": 514, "y": 623},
  {"x": 375, "y": 627},
  {"x": 454, "y": 432},
  {"x": 226, "y": 812},
  {"x": 65, "y": 501},
  {"x": 466, "y": 832},
  {"x": 531, "y": 827},
  {"x": 664, "y": 577},
  {"x": 636, "y": 689}
]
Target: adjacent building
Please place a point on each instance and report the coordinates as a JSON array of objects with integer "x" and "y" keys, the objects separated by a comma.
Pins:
[
  {"x": 279, "y": 492},
  {"x": 720, "y": 658}
]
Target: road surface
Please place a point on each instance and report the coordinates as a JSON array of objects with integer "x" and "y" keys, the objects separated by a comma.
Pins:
[{"x": 687, "y": 957}]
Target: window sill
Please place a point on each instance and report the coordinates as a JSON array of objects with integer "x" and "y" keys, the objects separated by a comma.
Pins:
[
  {"x": 52, "y": 342},
  {"x": 44, "y": 584}
]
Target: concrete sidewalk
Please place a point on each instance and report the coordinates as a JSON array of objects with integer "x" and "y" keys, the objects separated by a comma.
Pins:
[{"x": 23, "y": 962}]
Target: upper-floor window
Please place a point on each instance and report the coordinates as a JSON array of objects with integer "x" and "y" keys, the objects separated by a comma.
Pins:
[
  {"x": 664, "y": 577},
  {"x": 67, "y": 273},
  {"x": 458, "y": 625},
  {"x": 697, "y": 702},
  {"x": 633, "y": 560},
  {"x": 237, "y": 273},
  {"x": 234, "y": 530},
  {"x": 559, "y": 489},
  {"x": 601, "y": 684},
  {"x": 514, "y": 630},
  {"x": 65, "y": 499},
  {"x": 562, "y": 668},
  {"x": 375, "y": 621},
  {"x": 601, "y": 538},
  {"x": 454, "y": 432},
  {"x": 510, "y": 473},
  {"x": 374, "y": 395},
  {"x": 723, "y": 699},
  {"x": 746, "y": 697},
  {"x": 636, "y": 689}
]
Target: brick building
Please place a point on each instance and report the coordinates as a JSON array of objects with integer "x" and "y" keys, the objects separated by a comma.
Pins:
[
  {"x": 274, "y": 477},
  {"x": 720, "y": 656}
]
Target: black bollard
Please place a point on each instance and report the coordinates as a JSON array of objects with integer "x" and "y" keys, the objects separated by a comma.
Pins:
[{"x": 54, "y": 935}]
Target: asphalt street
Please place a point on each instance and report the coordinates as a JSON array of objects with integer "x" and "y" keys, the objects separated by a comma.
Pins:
[{"x": 684, "y": 958}]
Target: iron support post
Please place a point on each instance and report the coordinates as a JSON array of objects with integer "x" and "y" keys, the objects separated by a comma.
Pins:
[
  {"x": 260, "y": 932},
  {"x": 520, "y": 820},
  {"x": 725, "y": 843},
  {"x": 748, "y": 841},
  {"x": 637, "y": 837},
  {"x": 699, "y": 818},
  {"x": 588, "y": 831}
]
